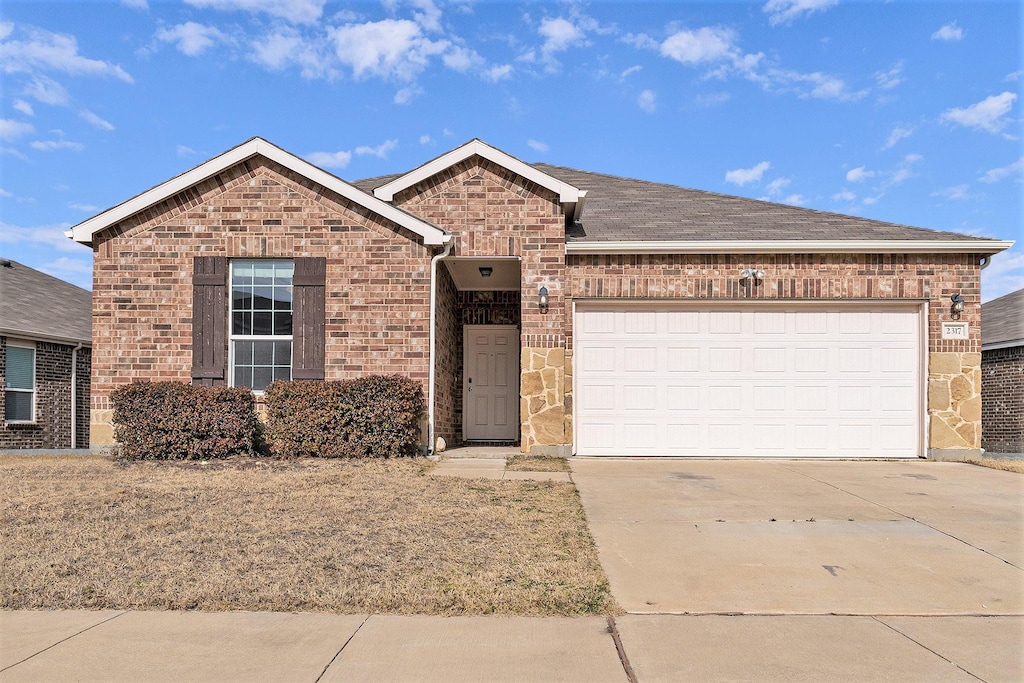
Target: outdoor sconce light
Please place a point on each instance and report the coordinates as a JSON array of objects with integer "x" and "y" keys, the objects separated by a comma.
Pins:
[
  {"x": 485, "y": 271},
  {"x": 957, "y": 306},
  {"x": 755, "y": 274},
  {"x": 543, "y": 300}
]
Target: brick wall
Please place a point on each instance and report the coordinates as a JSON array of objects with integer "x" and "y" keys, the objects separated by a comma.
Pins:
[
  {"x": 1002, "y": 400},
  {"x": 378, "y": 278},
  {"x": 52, "y": 426},
  {"x": 448, "y": 362}
]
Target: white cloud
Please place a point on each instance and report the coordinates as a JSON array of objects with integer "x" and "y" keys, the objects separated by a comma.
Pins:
[
  {"x": 641, "y": 41},
  {"x": 407, "y": 95},
  {"x": 795, "y": 200},
  {"x": 24, "y": 107},
  {"x": 785, "y": 11},
  {"x": 887, "y": 80},
  {"x": 957, "y": 193},
  {"x": 388, "y": 48},
  {"x": 630, "y": 71},
  {"x": 742, "y": 176},
  {"x": 903, "y": 171},
  {"x": 648, "y": 101},
  {"x": 329, "y": 159},
  {"x": 54, "y": 51},
  {"x": 898, "y": 133},
  {"x": 54, "y": 145},
  {"x": 537, "y": 145},
  {"x": 985, "y": 115},
  {"x": 77, "y": 271},
  {"x": 293, "y": 11},
  {"x": 856, "y": 175},
  {"x": 42, "y": 235},
  {"x": 994, "y": 175},
  {"x": 46, "y": 90},
  {"x": 949, "y": 32},
  {"x": 5, "y": 193},
  {"x": 497, "y": 73},
  {"x": 559, "y": 34},
  {"x": 95, "y": 121},
  {"x": 428, "y": 16},
  {"x": 1013, "y": 76},
  {"x": 461, "y": 59},
  {"x": 845, "y": 196},
  {"x": 426, "y": 139},
  {"x": 135, "y": 4},
  {"x": 183, "y": 151},
  {"x": 11, "y": 129},
  {"x": 706, "y": 44},
  {"x": 380, "y": 150},
  {"x": 286, "y": 46},
  {"x": 777, "y": 186},
  {"x": 87, "y": 208},
  {"x": 192, "y": 39},
  {"x": 712, "y": 99},
  {"x": 1004, "y": 274}
]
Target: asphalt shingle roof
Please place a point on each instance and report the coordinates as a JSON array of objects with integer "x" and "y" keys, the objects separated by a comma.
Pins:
[
  {"x": 1002, "y": 319},
  {"x": 624, "y": 209},
  {"x": 35, "y": 305}
]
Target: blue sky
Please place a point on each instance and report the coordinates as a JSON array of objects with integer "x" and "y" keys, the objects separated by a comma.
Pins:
[{"x": 907, "y": 112}]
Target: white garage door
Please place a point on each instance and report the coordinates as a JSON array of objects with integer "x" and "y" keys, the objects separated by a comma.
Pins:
[{"x": 842, "y": 381}]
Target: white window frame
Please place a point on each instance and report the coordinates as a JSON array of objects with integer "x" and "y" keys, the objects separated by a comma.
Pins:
[
  {"x": 35, "y": 383},
  {"x": 232, "y": 338}
]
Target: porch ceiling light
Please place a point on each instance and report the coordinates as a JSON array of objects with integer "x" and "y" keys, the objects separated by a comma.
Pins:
[
  {"x": 485, "y": 271},
  {"x": 543, "y": 300},
  {"x": 957, "y": 307}
]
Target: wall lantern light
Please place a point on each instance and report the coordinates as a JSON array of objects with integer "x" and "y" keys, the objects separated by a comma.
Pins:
[
  {"x": 957, "y": 307},
  {"x": 543, "y": 300},
  {"x": 485, "y": 271},
  {"x": 755, "y": 274}
]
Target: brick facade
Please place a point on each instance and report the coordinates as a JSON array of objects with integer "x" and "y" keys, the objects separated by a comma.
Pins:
[
  {"x": 378, "y": 278},
  {"x": 52, "y": 426},
  {"x": 1002, "y": 400}
]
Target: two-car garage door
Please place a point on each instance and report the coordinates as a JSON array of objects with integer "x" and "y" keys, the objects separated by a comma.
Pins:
[{"x": 758, "y": 380}]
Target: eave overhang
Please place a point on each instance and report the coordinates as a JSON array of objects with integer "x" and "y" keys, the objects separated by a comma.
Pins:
[
  {"x": 86, "y": 230},
  {"x": 983, "y": 247}
]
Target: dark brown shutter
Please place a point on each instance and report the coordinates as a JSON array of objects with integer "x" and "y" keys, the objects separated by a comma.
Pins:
[
  {"x": 309, "y": 284},
  {"x": 209, "y": 320}
]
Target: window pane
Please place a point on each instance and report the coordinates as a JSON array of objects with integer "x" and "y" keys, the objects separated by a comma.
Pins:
[
  {"x": 283, "y": 373},
  {"x": 263, "y": 298},
  {"x": 241, "y": 323},
  {"x": 263, "y": 272},
  {"x": 262, "y": 322},
  {"x": 282, "y": 298},
  {"x": 282, "y": 323},
  {"x": 241, "y": 297},
  {"x": 241, "y": 272},
  {"x": 261, "y": 378},
  {"x": 20, "y": 363},
  {"x": 263, "y": 353},
  {"x": 283, "y": 353},
  {"x": 243, "y": 377},
  {"x": 243, "y": 353},
  {"x": 18, "y": 405}
]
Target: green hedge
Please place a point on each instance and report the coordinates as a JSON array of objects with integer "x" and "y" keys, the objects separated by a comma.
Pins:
[
  {"x": 371, "y": 417},
  {"x": 175, "y": 421}
]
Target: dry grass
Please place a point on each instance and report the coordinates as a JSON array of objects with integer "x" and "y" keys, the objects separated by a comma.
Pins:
[
  {"x": 527, "y": 463},
  {"x": 997, "y": 464},
  {"x": 303, "y": 535}
]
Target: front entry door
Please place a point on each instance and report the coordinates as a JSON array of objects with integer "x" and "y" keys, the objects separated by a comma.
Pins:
[{"x": 490, "y": 384}]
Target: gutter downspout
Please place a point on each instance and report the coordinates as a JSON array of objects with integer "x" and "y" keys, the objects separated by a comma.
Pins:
[
  {"x": 74, "y": 395},
  {"x": 433, "y": 343}
]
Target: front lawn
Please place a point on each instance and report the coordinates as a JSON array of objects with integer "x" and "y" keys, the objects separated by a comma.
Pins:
[{"x": 283, "y": 535}]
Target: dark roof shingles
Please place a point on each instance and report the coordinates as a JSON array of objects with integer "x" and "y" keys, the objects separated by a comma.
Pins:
[
  {"x": 1002, "y": 319},
  {"x": 35, "y": 305}
]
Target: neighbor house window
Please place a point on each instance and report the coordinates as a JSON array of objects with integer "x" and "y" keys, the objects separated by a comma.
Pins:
[
  {"x": 20, "y": 383},
  {"x": 261, "y": 322}
]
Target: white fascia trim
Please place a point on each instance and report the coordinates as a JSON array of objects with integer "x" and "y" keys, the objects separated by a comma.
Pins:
[
  {"x": 790, "y": 246},
  {"x": 567, "y": 194},
  {"x": 995, "y": 346},
  {"x": 29, "y": 337},
  {"x": 84, "y": 231}
]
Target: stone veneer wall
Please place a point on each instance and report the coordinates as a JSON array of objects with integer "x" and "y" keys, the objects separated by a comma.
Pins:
[
  {"x": 378, "y": 278},
  {"x": 1002, "y": 400},
  {"x": 493, "y": 212},
  {"x": 955, "y": 425},
  {"x": 52, "y": 426}
]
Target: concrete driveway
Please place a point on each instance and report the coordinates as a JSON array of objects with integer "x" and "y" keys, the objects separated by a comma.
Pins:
[{"x": 778, "y": 567}]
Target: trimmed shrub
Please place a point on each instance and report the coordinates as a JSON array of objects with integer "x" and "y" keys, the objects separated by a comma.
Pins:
[
  {"x": 176, "y": 421},
  {"x": 371, "y": 417}
]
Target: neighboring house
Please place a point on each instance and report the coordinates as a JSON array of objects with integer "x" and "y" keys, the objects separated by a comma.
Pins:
[
  {"x": 45, "y": 351},
  {"x": 1002, "y": 374},
  {"x": 566, "y": 311}
]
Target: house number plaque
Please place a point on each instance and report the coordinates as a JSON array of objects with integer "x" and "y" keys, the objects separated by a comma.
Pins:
[{"x": 955, "y": 331}]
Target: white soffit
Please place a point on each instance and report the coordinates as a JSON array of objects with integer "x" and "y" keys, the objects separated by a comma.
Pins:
[
  {"x": 791, "y": 247},
  {"x": 84, "y": 231},
  {"x": 567, "y": 194}
]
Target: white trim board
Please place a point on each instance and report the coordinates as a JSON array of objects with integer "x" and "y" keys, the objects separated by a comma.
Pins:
[
  {"x": 790, "y": 247},
  {"x": 84, "y": 231}
]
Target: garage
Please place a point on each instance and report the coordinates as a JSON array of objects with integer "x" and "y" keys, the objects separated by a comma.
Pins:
[{"x": 759, "y": 380}]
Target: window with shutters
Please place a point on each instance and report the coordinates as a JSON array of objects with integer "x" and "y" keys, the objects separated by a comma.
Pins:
[
  {"x": 20, "y": 382},
  {"x": 260, "y": 318}
]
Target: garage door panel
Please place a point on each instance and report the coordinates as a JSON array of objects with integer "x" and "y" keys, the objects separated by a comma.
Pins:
[{"x": 789, "y": 381}]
